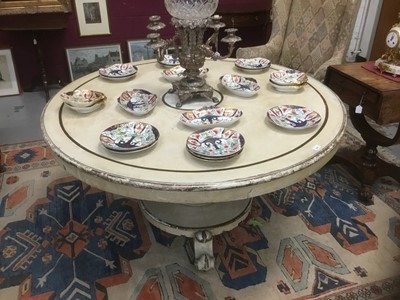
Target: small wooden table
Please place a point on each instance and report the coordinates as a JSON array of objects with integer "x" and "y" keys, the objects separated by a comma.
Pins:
[{"x": 379, "y": 98}]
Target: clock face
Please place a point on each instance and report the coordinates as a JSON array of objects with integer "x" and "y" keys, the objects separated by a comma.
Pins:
[{"x": 392, "y": 39}]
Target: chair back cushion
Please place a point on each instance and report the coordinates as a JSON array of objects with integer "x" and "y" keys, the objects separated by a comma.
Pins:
[{"x": 315, "y": 30}]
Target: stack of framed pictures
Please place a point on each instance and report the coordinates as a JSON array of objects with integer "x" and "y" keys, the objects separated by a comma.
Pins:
[
  {"x": 8, "y": 76},
  {"x": 85, "y": 60},
  {"x": 93, "y": 20}
]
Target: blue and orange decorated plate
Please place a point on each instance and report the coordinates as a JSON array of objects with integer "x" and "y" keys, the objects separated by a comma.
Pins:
[{"x": 293, "y": 117}]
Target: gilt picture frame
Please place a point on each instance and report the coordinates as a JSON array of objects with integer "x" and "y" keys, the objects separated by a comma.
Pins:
[
  {"x": 8, "y": 77},
  {"x": 138, "y": 50},
  {"x": 85, "y": 60},
  {"x": 20, "y": 7},
  {"x": 92, "y": 17}
]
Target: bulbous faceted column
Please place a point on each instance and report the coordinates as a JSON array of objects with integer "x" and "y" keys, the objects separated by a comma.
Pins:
[
  {"x": 191, "y": 9},
  {"x": 191, "y": 19}
]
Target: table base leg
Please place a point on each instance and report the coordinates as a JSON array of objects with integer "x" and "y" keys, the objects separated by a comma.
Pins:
[
  {"x": 203, "y": 250},
  {"x": 200, "y": 222}
]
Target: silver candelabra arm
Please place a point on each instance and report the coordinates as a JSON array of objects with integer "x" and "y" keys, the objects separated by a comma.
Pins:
[
  {"x": 161, "y": 46},
  {"x": 191, "y": 50},
  {"x": 208, "y": 52},
  {"x": 209, "y": 48},
  {"x": 156, "y": 43},
  {"x": 216, "y": 24},
  {"x": 231, "y": 39}
]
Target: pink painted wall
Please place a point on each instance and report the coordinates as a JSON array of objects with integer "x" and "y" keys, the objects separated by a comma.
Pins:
[{"x": 127, "y": 20}]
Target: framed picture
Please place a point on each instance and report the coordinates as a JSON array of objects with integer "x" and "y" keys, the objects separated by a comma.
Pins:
[
  {"x": 92, "y": 17},
  {"x": 85, "y": 60},
  {"x": 8, "y": 78},
  {"x": 37, "y": 6},
  {"x": 139, "y": 51}
]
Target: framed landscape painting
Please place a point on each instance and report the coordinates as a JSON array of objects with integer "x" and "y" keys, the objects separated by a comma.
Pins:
[
  {"x": 85, "y": 60},
  {"x": 139, "y": 51},
  {"x": 8, "y": 77},
  {"x": 92, "y": 17}
]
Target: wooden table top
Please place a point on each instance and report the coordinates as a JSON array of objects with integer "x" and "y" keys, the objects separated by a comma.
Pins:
[
  {"x": 272, "y": 158},
  {"x": 363, "y": 76}
]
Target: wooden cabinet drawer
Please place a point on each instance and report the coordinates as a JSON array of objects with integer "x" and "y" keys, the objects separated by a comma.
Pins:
[{"x": 351, "y": 92}]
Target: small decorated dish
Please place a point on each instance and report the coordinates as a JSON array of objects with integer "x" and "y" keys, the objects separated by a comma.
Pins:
[
  {"x": 86, "y": 109},
  {"x": 253, "y": 64},
  {"x": 215, "y": 144},
  {"x": 288, "y": 77},
  {"x": 293, "y": 117},
  {"x": 137, "y": 101},
  {"x": 287, "y": 88},
  {"x": 239, "y": 85},
  {"x": 129, "y": 137},
  {"x": 169, "y": 61},
  {"x": 118, "y": 71},
  {"x": 82, "y": 98},
  {"x": 208, "y": 117},
  {"x": 176, "y": 73}
]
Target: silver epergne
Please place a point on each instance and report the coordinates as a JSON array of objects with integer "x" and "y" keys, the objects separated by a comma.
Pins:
[{"x": 191, "y": 18}]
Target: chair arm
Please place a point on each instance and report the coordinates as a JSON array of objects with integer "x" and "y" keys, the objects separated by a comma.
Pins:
[
  {"x": 271, "y": 50},
  {"x": 319, "y": 74}
]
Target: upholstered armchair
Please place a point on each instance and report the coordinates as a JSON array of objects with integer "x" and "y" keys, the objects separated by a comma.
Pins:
[{"x": 308, "y": 35}]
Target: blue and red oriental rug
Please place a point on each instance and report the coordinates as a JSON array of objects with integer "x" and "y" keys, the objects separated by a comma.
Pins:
[{"x": 63, "y": 239}]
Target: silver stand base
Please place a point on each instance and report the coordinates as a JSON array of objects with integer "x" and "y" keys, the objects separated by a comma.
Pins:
[{"x": 172, "y": 99}]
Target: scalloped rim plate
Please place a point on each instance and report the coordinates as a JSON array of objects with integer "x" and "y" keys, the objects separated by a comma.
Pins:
[
  {"x": 176, "y": 73},
  {"x": 253, "y": 64},
  {"x": 287, "y": 88},
  {"x": 86, "y": 109},
  {"x": 293, "y": 117},
  {"x": 82, "y": 98},
  {"x": 129, "y": 136},
  {"x": 137, "y": 101},
  {"x": 169, "y": 61},
  {"x": 215, "y": 144},
  {"x": 240, "y": 85},
  {"x": 208, "y": 117},
  {"x": 118, "y": 71},
  {"x": 288, "y": 77}
]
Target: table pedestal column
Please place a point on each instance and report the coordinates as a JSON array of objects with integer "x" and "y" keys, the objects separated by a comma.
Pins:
[{"x": 200, "y": 222}]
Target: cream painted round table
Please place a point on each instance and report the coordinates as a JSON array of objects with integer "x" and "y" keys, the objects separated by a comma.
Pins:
[{"x": 181, "y": 194}]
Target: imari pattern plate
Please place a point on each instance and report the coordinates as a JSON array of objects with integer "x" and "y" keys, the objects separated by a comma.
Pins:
[
  {"x": 293, "y": 116},
  {"x": 239, "y": 85},
  {"x": 253, "y": 64},
  {"x": 129, "y": 136},
  {"x": 215, "y": 144},
  {"x": 137, "y": 101},
  {"x": 82, "y": 98},
  {"x": 169, "y": 61},
  {"x": 208, "y": 117},
  {"x": 288, "y": 77},
  {"x": 118, "y": 71},
  {"x": 177, "y": 73}
]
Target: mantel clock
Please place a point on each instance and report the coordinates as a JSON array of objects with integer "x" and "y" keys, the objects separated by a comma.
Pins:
[{"x": 390, "y": 61}]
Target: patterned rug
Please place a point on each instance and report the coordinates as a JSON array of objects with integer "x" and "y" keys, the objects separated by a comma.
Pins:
[{"x": 63, "y": 239}]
